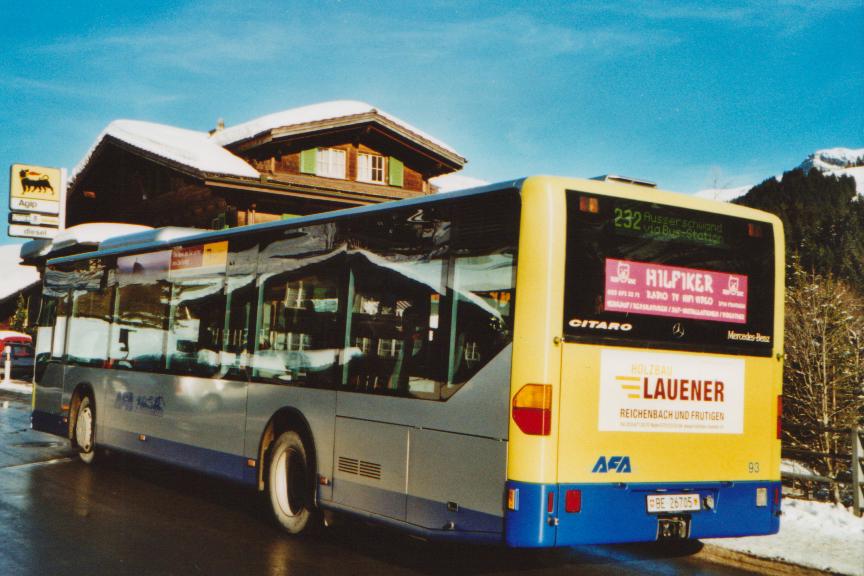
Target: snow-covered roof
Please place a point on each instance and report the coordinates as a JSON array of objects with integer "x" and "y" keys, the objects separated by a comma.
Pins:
[
  {"x": 452, "y": 182},
  {"x": 322, "y": 111},
  {"x": 207, "y": 153},
  {"x": 15, "y": 277},
  {"x": 188, "y": 147},
  {"x": 91, "y": 233}
]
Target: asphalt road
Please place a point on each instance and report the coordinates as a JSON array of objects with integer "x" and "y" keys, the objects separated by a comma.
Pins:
[{"x": 128, "y": 516}]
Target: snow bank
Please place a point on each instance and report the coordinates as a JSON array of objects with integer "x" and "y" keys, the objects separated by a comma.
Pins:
[
  {"x": 15, "y": 277},
  {"x": 815, "y": 534}
]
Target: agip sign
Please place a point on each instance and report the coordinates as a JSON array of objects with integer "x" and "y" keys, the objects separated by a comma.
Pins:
[{"x": 35, "y": 201}]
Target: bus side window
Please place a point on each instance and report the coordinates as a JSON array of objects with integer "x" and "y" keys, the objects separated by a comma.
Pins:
[
  {"x": 398, "y": 276},
  {"x": 299, "y": 330},
  {"x": 141, "y": 311},
  {"x": 298, "y": 336},
  {"x": 195, "y": 325},
  {"x": 483, "y": 292},
  {"x": 90, "y": 320}
]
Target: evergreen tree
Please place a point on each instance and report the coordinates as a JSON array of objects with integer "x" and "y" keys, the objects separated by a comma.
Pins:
[
  {"x": 18, "y": 321},
  {"x": 824, "y": 221}
]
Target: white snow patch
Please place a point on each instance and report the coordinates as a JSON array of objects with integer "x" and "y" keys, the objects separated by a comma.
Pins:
[
  {"x": 187, "y": 147},
  {"x": 14, "y": 277},
  {"x": 19, "y": 386},
  {"x": 839, "y": 162},
  {"x": 724, "y": 194},
  {"x": 793, "y": 467},
  {"x": 451, "y": 182},
  {"x": 815, "y": 534},
  {"x": 94, "y": 233},
  {"x": 312, "y": 113}
]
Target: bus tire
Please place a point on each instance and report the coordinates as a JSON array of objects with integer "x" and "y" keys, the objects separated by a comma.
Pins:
[
  {"x": 289, "y": 484},
  {"x": 85, "y": 430}
]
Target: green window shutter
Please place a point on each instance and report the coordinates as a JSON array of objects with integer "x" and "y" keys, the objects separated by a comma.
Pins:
[
  {"x": 308, "y": 160},
  {"x": 397, "y": 172}
]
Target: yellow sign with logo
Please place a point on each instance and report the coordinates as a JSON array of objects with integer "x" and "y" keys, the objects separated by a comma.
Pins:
[{"x": 35, "y": 189}]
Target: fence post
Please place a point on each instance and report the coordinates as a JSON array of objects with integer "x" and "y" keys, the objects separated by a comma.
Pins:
[{"x": 857, "y": 470}]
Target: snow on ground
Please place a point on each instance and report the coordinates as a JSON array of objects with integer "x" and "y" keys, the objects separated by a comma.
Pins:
[
  {"x": 14, "y": 277},
  {"x": 815, "y": 534},
  {"x": 18, "y": 386}
]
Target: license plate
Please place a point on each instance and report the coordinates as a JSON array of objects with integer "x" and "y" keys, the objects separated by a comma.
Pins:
[{"x": 673, "y": 502}]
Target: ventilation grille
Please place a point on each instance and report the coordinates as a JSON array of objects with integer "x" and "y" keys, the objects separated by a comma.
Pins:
[{"x": 359, "y": 468}]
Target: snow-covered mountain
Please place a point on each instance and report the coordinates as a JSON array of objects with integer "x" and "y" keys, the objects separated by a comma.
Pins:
[
  {"x": 835, "y": 161},
  {"x": 839, "y": 162}
]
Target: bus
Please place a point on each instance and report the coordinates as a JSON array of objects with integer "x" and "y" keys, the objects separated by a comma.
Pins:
[{"x": 544, "y": 362}]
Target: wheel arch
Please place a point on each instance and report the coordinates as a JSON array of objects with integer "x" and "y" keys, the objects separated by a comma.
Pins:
[
  {"x": 81, "y": 390},
  {"x": 286, "y": 418}
]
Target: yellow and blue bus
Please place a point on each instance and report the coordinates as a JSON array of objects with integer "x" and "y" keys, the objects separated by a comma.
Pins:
[{"x": 543, "y": 362}]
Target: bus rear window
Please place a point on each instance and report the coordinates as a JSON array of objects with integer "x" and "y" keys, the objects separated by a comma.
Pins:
[{"x": 649, "y": 275}]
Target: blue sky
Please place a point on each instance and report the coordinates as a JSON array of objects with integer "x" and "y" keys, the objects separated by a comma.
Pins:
[{"x": 691, "y": 95}]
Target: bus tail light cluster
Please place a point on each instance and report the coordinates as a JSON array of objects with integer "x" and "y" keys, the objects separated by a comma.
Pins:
[
  {"x": 532, "y": 409},
  {"x": 779, "y": 417}
]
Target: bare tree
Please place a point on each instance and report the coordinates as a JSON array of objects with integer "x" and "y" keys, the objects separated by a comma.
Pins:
[{"x": 824, "y": 370}]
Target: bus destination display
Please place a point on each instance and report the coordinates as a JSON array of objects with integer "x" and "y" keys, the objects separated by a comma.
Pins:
[{"x": 645, "y": 223}]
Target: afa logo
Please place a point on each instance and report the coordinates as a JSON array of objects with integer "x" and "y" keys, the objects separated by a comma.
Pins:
[{"x": 620, "y": 464}]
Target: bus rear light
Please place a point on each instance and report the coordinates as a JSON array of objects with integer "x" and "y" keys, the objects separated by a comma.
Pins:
[
  {"x": 532, "y": 409},
  {"x": 589, "y": 204},
  {"x": 779, "y": 417},
  {"x": 550, "y": 502},
  {"x": 573, "y": 501},
  {"x": 776, "y": 496},
  {"x": 513, "y": 499}
]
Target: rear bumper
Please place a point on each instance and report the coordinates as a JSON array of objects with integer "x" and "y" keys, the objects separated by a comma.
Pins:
[{"x": 618, "y": 512}]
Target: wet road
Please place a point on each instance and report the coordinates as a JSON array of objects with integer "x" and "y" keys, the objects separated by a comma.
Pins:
[{"x": 127, "y": 516}]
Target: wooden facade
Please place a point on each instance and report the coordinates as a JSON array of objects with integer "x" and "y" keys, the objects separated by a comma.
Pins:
[{"x": 123, "y": 182}]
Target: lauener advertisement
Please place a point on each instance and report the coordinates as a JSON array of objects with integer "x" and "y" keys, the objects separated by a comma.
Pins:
[{"x": 677, "y": 393}]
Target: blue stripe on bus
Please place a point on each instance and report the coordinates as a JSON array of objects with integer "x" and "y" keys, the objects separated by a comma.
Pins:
[
  {"x": 433, "y": 518},
  {"x": 618, "y": 513},
  {"x": 50, "y": 423},
  {"x": 230, "y": 466}
]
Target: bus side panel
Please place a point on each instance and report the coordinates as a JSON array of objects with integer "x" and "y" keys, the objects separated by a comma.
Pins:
[
  {"x": 454, "y": 454},
  {"x": 455, "y": 482},
  {"x": 189, "y": 421},
  {"x": 371, "y": 467},
  {"x": 316, "y": 406},
  {"x": 48, "y": 415}
]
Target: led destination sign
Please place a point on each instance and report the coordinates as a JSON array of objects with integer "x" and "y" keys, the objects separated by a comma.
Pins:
[{"x": 658, "y": 226}]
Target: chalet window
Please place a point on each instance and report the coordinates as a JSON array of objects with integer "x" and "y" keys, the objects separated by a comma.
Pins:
[
  {"x": 370, "y": 168},
  {"x": 330, "y": 162}
]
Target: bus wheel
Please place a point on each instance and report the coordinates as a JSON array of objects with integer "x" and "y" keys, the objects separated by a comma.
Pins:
[
  {"x": 85, "y": 431},
  {"x": 289, "y": 484}
]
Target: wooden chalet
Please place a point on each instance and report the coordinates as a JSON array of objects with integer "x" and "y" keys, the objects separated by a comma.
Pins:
[{"x": 312, "y": 159}]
